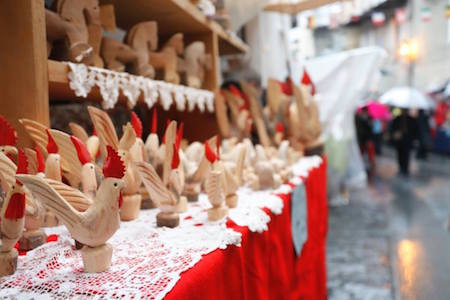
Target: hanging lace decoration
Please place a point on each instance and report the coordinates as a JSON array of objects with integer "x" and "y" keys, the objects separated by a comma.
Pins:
[
  {"x": 83, "y": 78},
  {"x": 165, "y": 95},
  {"x": 180, "y": 100}
]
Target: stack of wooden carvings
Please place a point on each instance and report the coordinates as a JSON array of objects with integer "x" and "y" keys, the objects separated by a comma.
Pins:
[
  {"x": 290, "y": 113},
  {"x": 90, "y": 183},
  {"x": 75, "y": 32}
]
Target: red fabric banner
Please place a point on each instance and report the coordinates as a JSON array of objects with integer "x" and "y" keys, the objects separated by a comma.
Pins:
[{"x": 265, "y": 266}]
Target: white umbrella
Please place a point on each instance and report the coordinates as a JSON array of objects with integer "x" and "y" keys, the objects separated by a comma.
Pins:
[
  {"x": 447, "y": 90},
  {"x": 406, "y": 97}
]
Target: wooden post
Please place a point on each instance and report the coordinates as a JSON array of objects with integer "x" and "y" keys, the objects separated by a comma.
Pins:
[{"x": 23, "y": 61}]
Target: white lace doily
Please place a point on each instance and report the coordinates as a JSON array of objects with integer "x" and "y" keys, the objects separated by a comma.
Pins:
[
  {"x": 147, "y": 260},
  {"x": 83, "y": 78}
]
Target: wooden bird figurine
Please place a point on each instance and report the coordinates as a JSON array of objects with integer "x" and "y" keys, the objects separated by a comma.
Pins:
[
  {"x": 12, "y": 213},
  {"x": 99, "y": 222},
  {"x": 137, "y": 151},
  {"x": 152, "y": 142},
  {"x": 92, "y": 142},
  {"x": 107, "y": 134},
  {"x": 53, "y": 162},
  {"x": 196, "y": 168},
  {"x": 263, "y": 174},
  {"x": 256, "y": 113},
  {"x": 35, "y": 213},
  {"x": 214, "y": 187},
  {"x": 232, "y": 180},
  {"x": 40, "y": 134},
  {"x": 304, "y": 120},
  {"x": 80, "y": 170},
  {"x": 166, "y": 195}
]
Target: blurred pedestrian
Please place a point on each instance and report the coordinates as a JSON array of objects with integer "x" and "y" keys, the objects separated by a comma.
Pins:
[
  {"x": 425, "y": 142},
  {"x": 364, "y": 134},
  {"x": 377, "y": 132},
  {"x": 404, "y": 129}
]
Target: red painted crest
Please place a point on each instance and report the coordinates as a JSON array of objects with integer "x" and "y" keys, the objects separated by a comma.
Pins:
[
  {"x": 137, "y": 124},
  {"x": 179, "y": 135},
  {"x": 82, "y": 151},
  {"x": 16, "y": 207},
  {"x": 113, "y": 166},
  {"x": 175, "y": 157},
  {"x": 306, "y": 80},
  {"x": 40, "y": 160},
  {"x": 51, "y": 144},
  {"x": 154, "y": 121},
  {"x": 8, "y": 135},
  {"x": 209, "y": 153}
]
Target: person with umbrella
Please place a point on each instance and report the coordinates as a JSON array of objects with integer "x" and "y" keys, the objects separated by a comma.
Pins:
[{"x": 404, "y": 125}]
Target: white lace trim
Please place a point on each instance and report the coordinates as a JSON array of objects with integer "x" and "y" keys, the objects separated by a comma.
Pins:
[{"x": 83, "y": 78}]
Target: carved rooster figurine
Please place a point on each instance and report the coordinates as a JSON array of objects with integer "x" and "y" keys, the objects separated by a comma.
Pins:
[
  {"x": 99, "y": 222},
  {"x": 137, "y": 151},
  {"x": 80, "y": 170},
  {"x": 152, "y": 142},
  {"x": 92, "y": 142},
  {"x": 35, "y": 213},
  {"x": 12, "y": 212},
  {"x": 196, "y": 168},
  {"x": 166, "y": 195},
  {"x": 108, "y": 136},
  {"x": 214, "y": 187}
]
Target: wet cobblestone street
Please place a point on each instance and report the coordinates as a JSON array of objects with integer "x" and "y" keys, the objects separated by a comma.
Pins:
[{"x": 391, "y": 241}]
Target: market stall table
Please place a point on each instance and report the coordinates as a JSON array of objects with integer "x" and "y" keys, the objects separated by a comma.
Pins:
[{"x": 199, "y": 259}]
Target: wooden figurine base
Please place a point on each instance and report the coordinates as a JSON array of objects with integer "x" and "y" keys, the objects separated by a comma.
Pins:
[
  {"x": 217, "y": 213},
  {"x": 314, "y": 150},
  {"x": 147, "y": 204},
  {"x": 130, "y": 207},
  {"x": 32, "y": 239},
  {"x": 182, "y": 205},
  {"x": 192, "y": 198},
  {"x": 231, "y": 200},
  {"x": 164, "y": 219},
  {"x": 96, "y": 259},
  {"x": 8, "y": 262},
  {"x": 50, "y": 220}
]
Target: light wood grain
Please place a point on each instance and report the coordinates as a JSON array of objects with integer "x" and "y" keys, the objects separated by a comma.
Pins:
[{"x": 23, "y": 60}]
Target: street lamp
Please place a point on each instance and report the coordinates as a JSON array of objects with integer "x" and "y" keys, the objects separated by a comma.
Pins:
[{"x": 409, "y": 51}]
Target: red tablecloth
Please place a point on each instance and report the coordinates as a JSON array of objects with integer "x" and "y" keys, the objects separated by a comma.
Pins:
[{"x": 265, "y": 266}]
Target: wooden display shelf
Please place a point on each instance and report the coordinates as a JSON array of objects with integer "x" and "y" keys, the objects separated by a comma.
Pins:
[{"x": 174, "y": 16}]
